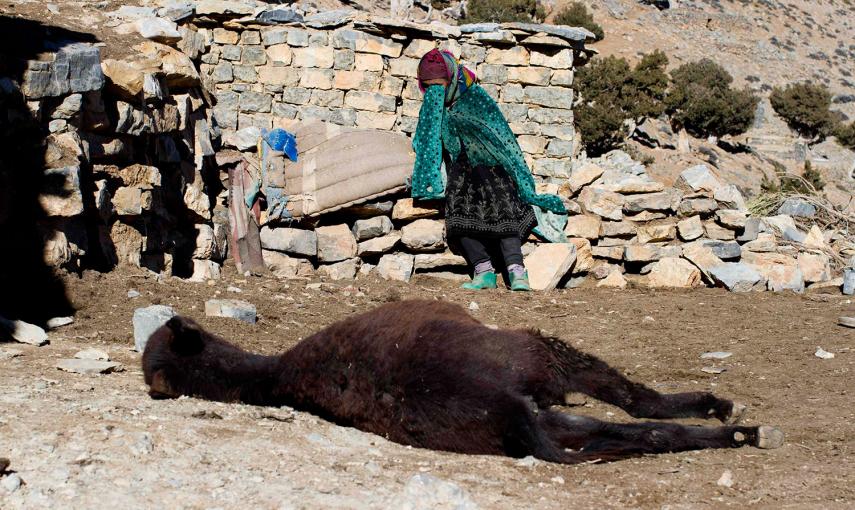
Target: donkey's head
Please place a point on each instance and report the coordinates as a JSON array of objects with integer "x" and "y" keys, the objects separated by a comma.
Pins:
[{"x": 181, "y": 358}]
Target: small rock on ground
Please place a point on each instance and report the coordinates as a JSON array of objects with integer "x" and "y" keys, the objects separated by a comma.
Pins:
[
  {"x": 25, "y": 333},
  {"x": 823, "y": 354},
  {"x": 92, "y": 354},
  {"x": 615, "y": 280},
  {"x": 58, "y": 322},
  {"x": 716, "y": 355},
  {"x": 10, "y": 353},
  {"x": 88, "y": 366},
  {"x": 232, "y": 308},
  {"x": 726, "y": 479},
  {"x": 11, "y": 483},
  {"x": 424, "y": 491}
]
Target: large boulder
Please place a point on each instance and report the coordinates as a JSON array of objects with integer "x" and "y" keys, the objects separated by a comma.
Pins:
[
  {"x": 697, "y": 179},
  {"x": 661, "y": 201},
  {"x": 584, "y": 175},
  {"x": 406, "y": 210},
  {"x": 378, "y": 245},
  {"x": 204, "y": 270},
  {"x": 724, "y": 250},
  {"x": 781, "y": 271},
  {"x": 765, "y": 242},
  {"x": 673, "y": 272},
  {"x": 372, "y": 227},
  {"x": 695, "y": 206},
  {"x": 147, "y": 320},
  {"x": 702, "y": 257},
  {"x": 584, "y": 256},
  {"x": 424, "y": 235},
  {"x": 797, "y": 207},
  {"x": 396, "y": 266},
  {"x": 642, "y": 253},
  {"x": 621, "y": 181},
  {"x": 283, "y": 266},
  {"x": 604, "y": 203},
  {"x": 158, "y": 29},
  {"x": 435, "y": 260},
  {"x": 656, "y": 231},
  {"x": 62, "y": 195},
  {"x": 614, "y": 280},
  {"x": 583, "y": 225},
  {"x": 75, "y": 68},
  {"x": 815, "y": 267},
  {"x": 729, "y": 196},
  {"x": 344, "y": 270},
  {"x": 127, "y": 77},
  {"x": 737, "y": 277},
  {"x": 731, "y": 218},
  {"x": 335, "y": 243},
  {"x": 548, "y": 264},
  {"x": 290, "y": 240},
  {"x": 690, "y": 228}
]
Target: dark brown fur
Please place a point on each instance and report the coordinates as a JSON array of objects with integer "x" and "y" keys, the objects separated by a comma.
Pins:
[{"x": 426, "y": 374}]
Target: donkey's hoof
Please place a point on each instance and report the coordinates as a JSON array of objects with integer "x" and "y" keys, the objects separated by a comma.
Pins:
[
  {"x": 769, "y": 437},
  {"x": 736, "y": 414}
]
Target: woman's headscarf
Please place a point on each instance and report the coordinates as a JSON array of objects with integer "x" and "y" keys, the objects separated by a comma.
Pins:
[{"x": 442, "y": 64}]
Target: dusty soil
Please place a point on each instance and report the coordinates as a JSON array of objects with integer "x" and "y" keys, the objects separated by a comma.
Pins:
[{"x": 85, "y": 442}]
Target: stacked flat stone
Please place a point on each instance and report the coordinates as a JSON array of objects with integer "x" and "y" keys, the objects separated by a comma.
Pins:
[
  {"x": 394, "y": 238},
  {"x": 696, "y": 233}
]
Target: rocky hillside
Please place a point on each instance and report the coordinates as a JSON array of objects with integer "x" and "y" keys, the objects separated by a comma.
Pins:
[{"x": 761, "y": 43}]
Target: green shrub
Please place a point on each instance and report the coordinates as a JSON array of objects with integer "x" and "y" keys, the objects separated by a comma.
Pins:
[
  {"x": 612, "y": 92},
  {"x": 846, "y": 135},
  {"x": 575, "y": 14},
  {"x": 649, "y": 82},
  {"x": 805, "y": 107},
  {"x": 502, "y": 11},
  {"x": 702, "y": 101},
  {"x": 809, "y": 183},
  {"x": 601, "y": 126}
]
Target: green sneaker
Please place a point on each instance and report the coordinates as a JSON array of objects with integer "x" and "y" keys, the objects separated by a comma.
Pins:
[
  {"x": 485, "y": 280},
  {"x": 520, "y": 282}
]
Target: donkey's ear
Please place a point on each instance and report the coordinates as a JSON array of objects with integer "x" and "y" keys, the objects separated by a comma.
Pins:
[{"x": 186, "y": 336}]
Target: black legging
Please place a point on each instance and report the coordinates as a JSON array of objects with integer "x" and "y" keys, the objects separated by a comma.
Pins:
[{"x": 475, "y": 250}]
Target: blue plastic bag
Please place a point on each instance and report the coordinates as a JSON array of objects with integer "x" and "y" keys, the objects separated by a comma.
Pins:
[{"x": 280, "y": 140}]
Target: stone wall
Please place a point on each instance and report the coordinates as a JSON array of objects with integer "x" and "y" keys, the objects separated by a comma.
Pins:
[
  {"x": 362, "y": 74},
  {"x": 125, "y": 153}
]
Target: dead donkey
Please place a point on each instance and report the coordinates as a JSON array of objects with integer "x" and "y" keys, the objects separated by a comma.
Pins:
[{"x": 426, "y": 374}]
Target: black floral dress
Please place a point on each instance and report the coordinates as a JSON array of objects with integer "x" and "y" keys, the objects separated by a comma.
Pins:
[{"x": 483, "y": 201}]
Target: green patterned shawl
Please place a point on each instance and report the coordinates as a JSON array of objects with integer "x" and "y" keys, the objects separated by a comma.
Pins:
[{"x": 474, "y": 121}]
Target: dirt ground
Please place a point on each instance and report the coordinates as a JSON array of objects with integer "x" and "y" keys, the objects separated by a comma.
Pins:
[{"x": 99, "y": 441}]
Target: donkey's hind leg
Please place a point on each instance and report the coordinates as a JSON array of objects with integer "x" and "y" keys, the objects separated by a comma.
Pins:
[
  {"x": 576, "y": 371},
  {"x": 595, "y": 439}
]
